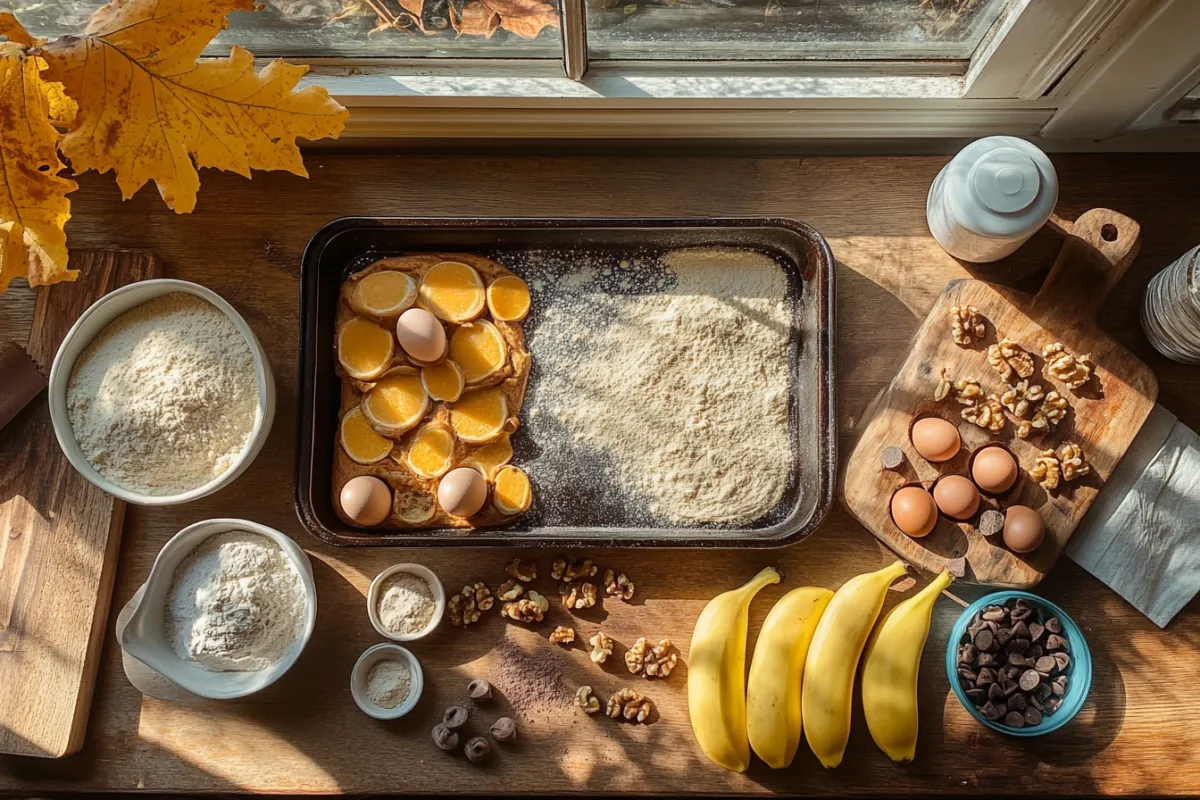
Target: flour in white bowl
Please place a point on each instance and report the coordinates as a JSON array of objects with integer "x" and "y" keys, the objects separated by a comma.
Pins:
[{"x": 236, "y": 604}]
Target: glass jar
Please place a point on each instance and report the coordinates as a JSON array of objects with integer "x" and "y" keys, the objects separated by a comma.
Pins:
[{"x": 1171, "y": 310}]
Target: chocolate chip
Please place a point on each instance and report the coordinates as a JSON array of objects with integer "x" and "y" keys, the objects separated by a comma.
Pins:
[
  {"x": 987, "y": 660},
  {"x": 976, "y": 696},
  {"x": 967, "y": 654},
  {"x": 1042, "y": 692},
  {"x": 1033, "y": 716},
  {"x": 1021, "y": 614},
  {"x": 1014, "y": 719},
  {"x": 1063, "y": 661},
  {"x": 1035, "y": 703},
  {"x": 1021, "y": 602},
  {"x": 994, "y": 613},
  {"x": 986, "y": 676},
  {"x": 1045, "y": 665},
  {"x": 455, "y": 717},
  {"x": 992, "y": 711},
  {"x": 995, "y": 692},
  {"x": 1021, "y": 631},
  {"x": 1018, "y": 646},
  {"x": 985, "y": 640},
  {"x": 477, "y": 749},
  {"x": 1011, "y": 672},
  {"x": 891, "y": 457},
  {"x": 445, "y": 738},
  {"x": 1059, "y": 683},
  {"x": 1035, "y": 651},
  {"x": 1016, "y": 702},
  {"x": 968, "y": 675},
  {"x": 1053, "y": 625},
  {"x": 1029, "y": 680},
  {"x": 1008, "y": 685},
  {"x": 1003, "y": 636},
  {"x": 1018, "y": 660},
  {"x": 1056, "y": 642},
  {"x": 991, "y": 626},
  {"x": 479, "y": 690},
  {"x": 504, "y": 730},
  {"x": 1036, "y": 629},
  {"x": 1053, "y": 704}
]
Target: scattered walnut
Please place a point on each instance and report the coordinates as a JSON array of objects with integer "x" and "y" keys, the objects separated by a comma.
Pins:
[
  {"x": 1072, "y": 370},
  {"x": 524, "y": 571},
  {"x": 564, "y": 570},
  {"x": 1038, "y": 422},
  {"x": 633, "y": 706},
  {"x": 577, "y": 595},
  {"x": 661, "y": 660},
  {"x": 1019, "y": 399},
  {"x": 968, "y": 392},
  {"x": 1046, "y": 470},
  {"x": 483, "y": 597},
  {"x": 1010, "y": 360},
  {"x": 509, "y": 590},
  {"x": 1053, "y": 408},
  {"x": 944, "y": 385},
  {"x": 635, "y": 657},
  {"x": 528, "y": 609},
  {"x": 562, "y": 635},
  {"x": 965, "y": 322},
  {"x": 454, "y": 610},
  {"x": 464, "y": 608},
  {"x": 602, "y": 647},
  {"x": 987, "y": 414},
  {"x": 617, "y": 585},
  {"x": 1070, "y": 456},
  {"x": 586, "y": 700}
]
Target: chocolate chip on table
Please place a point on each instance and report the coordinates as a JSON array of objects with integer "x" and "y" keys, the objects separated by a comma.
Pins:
[
  {"x": 1033, "y": 716},
  {"x": 985, "y": 640},
  {"x": 1036, "y": 629},
  {"x": 504, "y": 730},
  {"x": 455, "y": 717},
  {"x": 1029, "y": 680},
  {"x": 1053, "y": 625},
  {"x": 1063, "y": 661},
  {"x": 445, "y": 738},
  {"x": 1014, "y": 719},
  {"x": 479, "y": 690},
  {"x": 1056, "y": 642},
  {"x": 477, "y": 749}
]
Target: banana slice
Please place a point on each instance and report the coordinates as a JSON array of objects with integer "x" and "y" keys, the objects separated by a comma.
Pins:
[
  {"x": 431, "y": 452},
  {"x": 480, "y": 416},
  {"x": 443, "y": 381},
  {"x": 452, "y": 291},
  {"x": 491, "y": 457},
  {"x": 384, "y": 294},
  {"x": 479, "y": 349},
  {"x": 513, "y": 494},
  {"x": 364, "y": 349},
  {"x": 396, "y": 403},
  {"x": 508, "y": 299},
  {"x": 362, "y": 442},
  {"x": 414, "y": 506}
]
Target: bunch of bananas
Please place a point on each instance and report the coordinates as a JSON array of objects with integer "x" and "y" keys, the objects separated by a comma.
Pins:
[{"x": 802, "y": 673}]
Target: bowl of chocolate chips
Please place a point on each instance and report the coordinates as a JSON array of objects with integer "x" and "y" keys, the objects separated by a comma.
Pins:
[{"x": 1018, "y": 664}]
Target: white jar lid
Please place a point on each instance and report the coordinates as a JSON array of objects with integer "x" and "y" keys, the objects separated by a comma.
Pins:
[{"x": 1001, "y": 187}]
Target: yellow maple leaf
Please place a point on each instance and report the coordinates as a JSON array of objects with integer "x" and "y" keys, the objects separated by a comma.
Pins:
[
  {"x": 525, "y": 18},
  {"x": 147, "y": 108},
  {"x": 33, "y": 199}
]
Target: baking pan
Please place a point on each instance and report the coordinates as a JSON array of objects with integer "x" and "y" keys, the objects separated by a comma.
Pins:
[{"x": 589, "y": 519}]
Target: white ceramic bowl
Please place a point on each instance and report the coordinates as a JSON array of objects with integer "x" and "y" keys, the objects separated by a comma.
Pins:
[
  {"x": 145, "y": 636},
  {"x": 85, "y": 329},
  {"x": 435, "y": 586},
  {"x": 362, "y": 668}
]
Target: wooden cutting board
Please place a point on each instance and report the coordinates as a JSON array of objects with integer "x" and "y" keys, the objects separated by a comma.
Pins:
[
  {"x": 59, "y": 538},
  {"x": 1105, "y": 414}
]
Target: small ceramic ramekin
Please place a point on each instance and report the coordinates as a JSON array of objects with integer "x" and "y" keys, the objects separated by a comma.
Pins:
[
  {"x": 435, "y": 586},
  {"x": 1079, "y": 672},
  {"x": 89, "y": 325},
  {"x": 362, "y": 668}
]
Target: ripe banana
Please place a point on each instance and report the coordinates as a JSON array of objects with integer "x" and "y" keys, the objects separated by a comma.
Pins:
[
  {"x": 890, "y": 665},
  {"x": 717, "y": 674},
  {"x": 833, "y": 658},
  {"x": 773, "y": 720}
]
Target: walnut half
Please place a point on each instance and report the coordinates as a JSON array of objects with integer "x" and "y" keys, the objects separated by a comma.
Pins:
[
  {"x": 602, "y": 647},
  {"x": 564, "y": 570},
  {"x": 524, "y": 571},
  {"x": 1074, "y": 371},
  {"x": 967, "y": 391},
  {"x": 630, "y": 705},
  {"x": 585, "y": 699},
  {"x": 532, "y": 608},
  {"x": 987, "y": 414},
  {"x": 1010, "y": 360},
  {"x": 966, "y": 322},
  {"x": 617, "y": 585},
  {"x": 1046, "y": 470},
  {"x": 945, "y": 385},
  {"x": 1021, "y": 397},
  {"x": 509, "y": 591},
  {"x": 466, "y": 607},
  {"x": 1070, "y": 456},
  {"x": 562, "y": 635},
  {"x": 577, "y": 595}
]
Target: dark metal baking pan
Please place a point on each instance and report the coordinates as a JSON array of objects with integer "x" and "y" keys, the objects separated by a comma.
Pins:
[{"x": 349, "y": 244}]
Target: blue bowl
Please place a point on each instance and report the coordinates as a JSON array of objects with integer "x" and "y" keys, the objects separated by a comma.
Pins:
[{"x": 1079, "y": 672}]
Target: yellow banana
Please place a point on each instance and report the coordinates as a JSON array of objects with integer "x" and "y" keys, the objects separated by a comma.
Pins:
[
  {"x": 717, "y": 674},
  {"x": 833, "y": 658},
  {"x": 773, "y": 720},
  {"x": 890, "y": 665}
]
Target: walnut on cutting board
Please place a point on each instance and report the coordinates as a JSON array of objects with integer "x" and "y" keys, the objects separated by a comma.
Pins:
[
  {"x": 1072, "y": 370},
  {"x": 987, "y": 414},
  {"x": 966, "y": 324},
  {"x": 1010, "y": 360}
]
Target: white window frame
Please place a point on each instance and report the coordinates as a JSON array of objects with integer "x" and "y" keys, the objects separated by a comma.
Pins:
[{"x": 1050, "y": 68}]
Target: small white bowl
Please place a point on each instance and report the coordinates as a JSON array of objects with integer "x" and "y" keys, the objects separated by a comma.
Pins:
[
  {"x": 89, "y": 325},
  {"x": 362, "y": 668},
  {"x": 145, "y": 635},
  {"x": 435, "y": 586}
]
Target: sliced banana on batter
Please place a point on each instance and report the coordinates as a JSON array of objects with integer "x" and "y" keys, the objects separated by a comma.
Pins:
[
  {"x": 491, "y": 457},
  {"x": 385, "y": 293},
  {"x": 361, "y": 442},
  {"x": 364, "y": 349},
  {"x": 508, "y": 299},
  {"x": 431, "y": 452},
  {"x": 479, "y": 350},
  {"x": 444, "y": 381},
  {"x": 452, "y": 291},
  {"x": 513, "y": 494},
  {"x": 480, "y": 416},
  {"x": 396, "y": 402}
]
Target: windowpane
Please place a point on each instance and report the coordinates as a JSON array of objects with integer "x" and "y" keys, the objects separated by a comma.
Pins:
[
  {"x": 354, "y": 28},
  {"x": 788, "y": 29}
]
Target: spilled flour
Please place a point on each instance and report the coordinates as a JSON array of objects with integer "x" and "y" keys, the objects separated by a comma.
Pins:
[{"x": 685, "y": 389}]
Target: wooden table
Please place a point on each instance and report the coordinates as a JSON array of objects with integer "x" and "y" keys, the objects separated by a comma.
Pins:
[{"x": 1137, "y": 733}]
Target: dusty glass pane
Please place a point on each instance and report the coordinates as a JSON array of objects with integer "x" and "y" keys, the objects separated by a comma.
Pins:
[
  {"x": 356, "y": 28},
  {"x": 788, "y": 29}
]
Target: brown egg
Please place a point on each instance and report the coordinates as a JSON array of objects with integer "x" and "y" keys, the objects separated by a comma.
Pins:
[
  {"x": 956, "y": 496},
  {"x": 1023, "y": 529},
  {"x": 366, "y": 500},
  {"x": 994, "y": 469},
  {"x": 421, "y": 335},
  {"x": 914, "y": 511},
  {"x": 462, "y": 492},
  {"x": 935, "y": 439}
]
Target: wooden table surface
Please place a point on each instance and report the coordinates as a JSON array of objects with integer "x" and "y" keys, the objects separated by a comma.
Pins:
[{"x": 1137, "y": 733}]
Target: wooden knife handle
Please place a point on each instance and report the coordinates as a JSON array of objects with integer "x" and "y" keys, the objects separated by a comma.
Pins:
[
  {"x": 21, "y": 381},
  {"x": 1098, "y": 248}
]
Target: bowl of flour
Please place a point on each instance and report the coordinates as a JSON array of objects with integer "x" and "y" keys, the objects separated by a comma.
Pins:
[
  {"x": 227, "y": 609},
  {"x": 161, "y": 393}
]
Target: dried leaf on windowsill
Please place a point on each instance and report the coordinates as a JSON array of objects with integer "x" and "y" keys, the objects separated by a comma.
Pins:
[{"x": 525, "y": 18}]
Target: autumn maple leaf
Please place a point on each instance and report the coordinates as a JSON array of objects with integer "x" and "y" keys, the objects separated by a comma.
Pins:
[
  {"x": 148, "y": 108},
  {"x": 525, "y": 18},
  {"x": 33, "y": 197}
]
